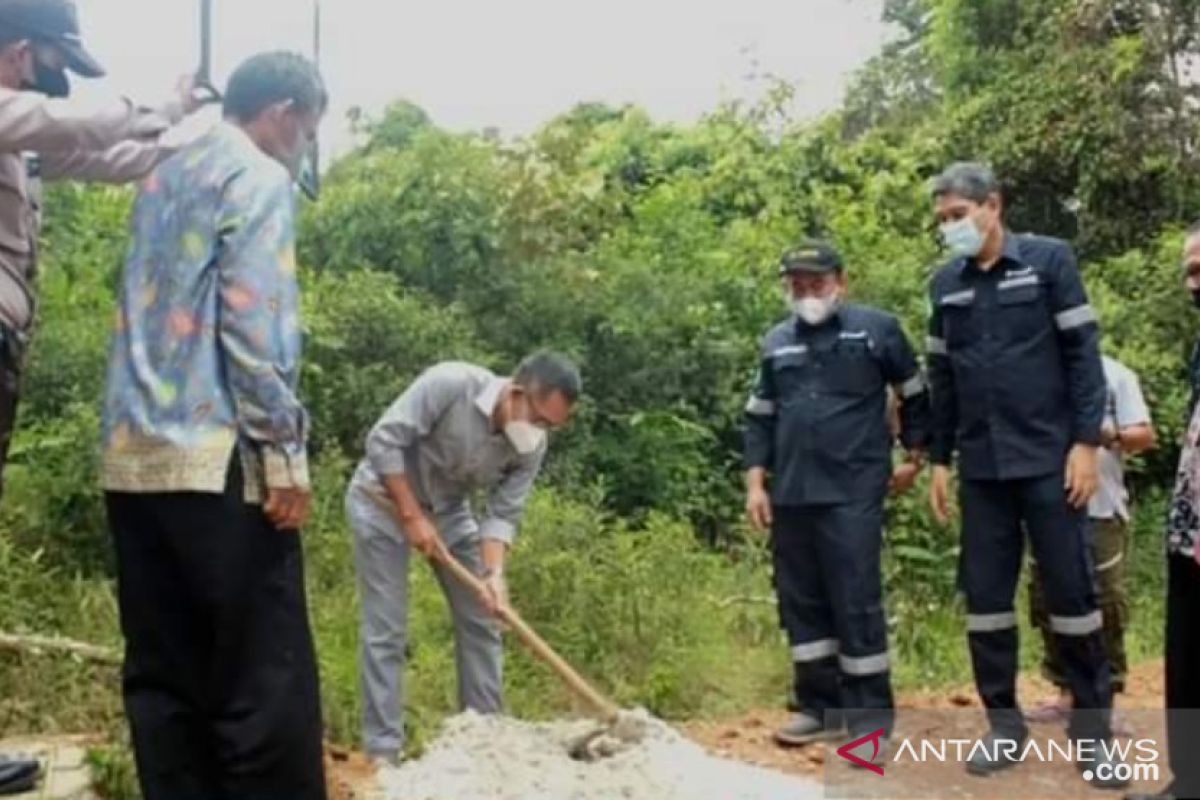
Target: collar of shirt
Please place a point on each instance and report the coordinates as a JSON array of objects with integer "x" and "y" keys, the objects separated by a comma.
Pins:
[
  {"x": 487, "y": 399},
  {"x": 1010, "y": 251},
  {"x": 239, "y": 140}
]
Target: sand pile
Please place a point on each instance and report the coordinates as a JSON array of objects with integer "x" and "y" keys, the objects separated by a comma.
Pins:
[{"x": 496, "y": 758}]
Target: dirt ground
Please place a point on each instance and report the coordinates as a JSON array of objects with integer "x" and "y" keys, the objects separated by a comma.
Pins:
[
  {"x": 748, "y": 738},
  {"x": 348, "y": 774}
]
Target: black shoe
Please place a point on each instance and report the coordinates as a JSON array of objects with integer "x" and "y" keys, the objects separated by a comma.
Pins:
[
  {"x": 982, "y": 762},
  {"x": 864, "y": 752},
  {"x": 18, "y": 775},
  {"x": 1102, "y": 764},
  {"x": 805, "y": 729},
  {"x": 1166, "y": 794}
]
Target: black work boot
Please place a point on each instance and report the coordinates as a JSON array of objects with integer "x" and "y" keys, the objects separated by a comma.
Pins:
[
  {"x": 805, "y": 729},
  {"x": 1100, "y": 770},
  {"x": 995, "y": 754},
  {"x": 18, "y": 775}
]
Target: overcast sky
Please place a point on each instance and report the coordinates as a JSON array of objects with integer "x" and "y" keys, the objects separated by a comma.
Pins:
[{"x": 509, "y": 64}]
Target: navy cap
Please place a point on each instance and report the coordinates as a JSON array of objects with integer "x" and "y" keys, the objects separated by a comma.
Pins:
[
  {"x": 56, "y": 21},
  {"x": 813, "y": 256}
]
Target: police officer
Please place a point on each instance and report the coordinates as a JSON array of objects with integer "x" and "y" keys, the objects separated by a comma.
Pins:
[
  {"x": 1019, "y": 394},
  {"x": 817, "y": 424},
  {"x": 44, "y": 135}
]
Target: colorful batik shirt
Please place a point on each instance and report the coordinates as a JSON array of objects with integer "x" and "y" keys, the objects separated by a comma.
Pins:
[{"x": 206, "y": 353}]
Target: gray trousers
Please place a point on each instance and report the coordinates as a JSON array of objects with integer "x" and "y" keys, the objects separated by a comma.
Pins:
[{"x": 381, "y": 558}]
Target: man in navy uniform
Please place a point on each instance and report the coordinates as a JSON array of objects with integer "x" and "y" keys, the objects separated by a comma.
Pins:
[
  {"x": 817, "y": 424},
  {"x": 1019, "y": 395}
]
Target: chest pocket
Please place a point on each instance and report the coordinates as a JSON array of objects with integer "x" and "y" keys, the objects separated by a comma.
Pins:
[
  {"x": 792, "y": 369},
  {"x": 1022, "y": 307},
  {"x": 958, "y": 317},
  {"x": 851, "y": 369}
]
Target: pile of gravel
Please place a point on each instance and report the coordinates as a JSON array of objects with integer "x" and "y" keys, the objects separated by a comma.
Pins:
[{"x": 497, "y": 758}]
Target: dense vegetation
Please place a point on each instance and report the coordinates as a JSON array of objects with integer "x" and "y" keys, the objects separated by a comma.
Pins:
[{"x": 647, "y": 251}]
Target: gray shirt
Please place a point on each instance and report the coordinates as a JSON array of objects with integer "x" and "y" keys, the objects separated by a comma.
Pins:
[
  {"x": 440, "y": 434},
  {"x": 1125, "y": 407}
]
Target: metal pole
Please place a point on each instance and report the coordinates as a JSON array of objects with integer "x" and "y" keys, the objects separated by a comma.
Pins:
[{"x": 316, "y": 151}]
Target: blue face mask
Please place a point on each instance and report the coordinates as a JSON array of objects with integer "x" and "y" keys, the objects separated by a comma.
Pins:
[{"x": 962, "y": 238}]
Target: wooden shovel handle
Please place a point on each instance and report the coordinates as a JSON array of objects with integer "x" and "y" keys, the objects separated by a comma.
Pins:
[{"x": 605, "y": 708}]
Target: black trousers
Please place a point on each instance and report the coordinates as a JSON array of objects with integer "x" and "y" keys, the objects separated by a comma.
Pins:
[
  {"x": 220, "y": 677},
  {"x": 829, "y": 587},
  {"x": 12, "y": 357},
  {"x": 1183, "y": 674},
  {"x": 996, "y": 517}
]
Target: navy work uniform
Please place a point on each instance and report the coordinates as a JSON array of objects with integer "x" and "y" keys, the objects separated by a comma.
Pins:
[
  {"x": 817, "y": 422},
  {"x": 1015, "y": 369}
]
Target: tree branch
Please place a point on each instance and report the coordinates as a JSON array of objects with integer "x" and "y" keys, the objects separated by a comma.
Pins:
[{"x": 42, "y": 645}]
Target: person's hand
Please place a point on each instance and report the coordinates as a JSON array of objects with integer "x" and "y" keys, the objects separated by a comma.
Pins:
[
  {"x": 1081, "y": 475},
  {"x": 287, "y": 509},
  {"x": 1110, "y": 438},
  {"x": 423, "y": 537},
  {"x": 939, "y": 493},
  {"x": 495, "y": 594},
  {"x": 758, "y": 508},
  {"x": 903, "y": 477},
  {"x": 190, "y": 96}
]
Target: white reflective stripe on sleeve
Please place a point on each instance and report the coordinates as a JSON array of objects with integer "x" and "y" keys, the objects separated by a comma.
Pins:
[
  {"x": 990, "y": 623},
  {"x": 1077, "y": 626},
  {"x": 866, "y": 665},
  {"x": 815, "y": 651},
  {"x": 913, "y": 386},
  {"x": 760, "y": 408},
  {"x": 936, "y": 347},
  {"x": 1075, "y": 317}
]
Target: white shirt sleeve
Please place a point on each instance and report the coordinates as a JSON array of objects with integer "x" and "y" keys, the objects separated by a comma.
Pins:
[{"x": 1129, "y": 403}]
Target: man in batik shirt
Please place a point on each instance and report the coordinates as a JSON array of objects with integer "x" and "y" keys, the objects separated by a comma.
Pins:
[{"x": 205, "y": 460}]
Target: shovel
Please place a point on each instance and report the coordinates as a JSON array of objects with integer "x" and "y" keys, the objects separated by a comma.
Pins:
[{"x": 622, "y": 728}]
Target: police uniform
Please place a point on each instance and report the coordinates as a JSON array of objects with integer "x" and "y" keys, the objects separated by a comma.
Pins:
[
  {"x": 817, "y": 422},
  {"x": 54, "y": 138},
  {"x": 1015, "y": 370}
]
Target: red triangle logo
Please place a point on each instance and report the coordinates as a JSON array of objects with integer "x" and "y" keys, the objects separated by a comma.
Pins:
[{"x": 873, "y": 737}]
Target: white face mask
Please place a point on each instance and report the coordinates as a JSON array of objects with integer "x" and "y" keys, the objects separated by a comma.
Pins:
[
  {"x": 525, "y": 437},
  {"x": 816, "y": 310},
  {"x": 962, "y": 238}
]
